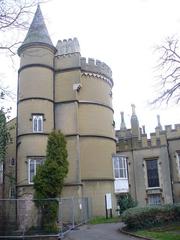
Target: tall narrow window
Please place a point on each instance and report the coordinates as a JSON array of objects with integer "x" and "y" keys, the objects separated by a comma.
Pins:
[
  {"x": 120, "y": 167},
  {"x": 152, "y": 173},
  {"x": 12, "y": 192},
  {"x": 178, "y": 161},
  {"x": 37, "y": 123},
  {"x": 33, "y": 164}
]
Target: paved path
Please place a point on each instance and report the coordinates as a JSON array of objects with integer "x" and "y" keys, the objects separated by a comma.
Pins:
[{"x": 98, "y": 232}]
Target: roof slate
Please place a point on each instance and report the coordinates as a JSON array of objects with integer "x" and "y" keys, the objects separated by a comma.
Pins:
[{"x": 37, "y": 32}]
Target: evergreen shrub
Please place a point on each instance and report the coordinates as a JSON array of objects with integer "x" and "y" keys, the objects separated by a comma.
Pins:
[
  {"x": 125, "y": 202},
  {"x": 151, "y": 216},
  {"x": 49, "y": 180}
]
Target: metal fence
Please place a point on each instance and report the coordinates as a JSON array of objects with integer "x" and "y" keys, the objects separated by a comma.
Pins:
[{"x": 26, "y": 218}]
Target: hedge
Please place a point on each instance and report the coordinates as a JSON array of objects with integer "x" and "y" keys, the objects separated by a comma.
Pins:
[{"x": 145, "y": 217}]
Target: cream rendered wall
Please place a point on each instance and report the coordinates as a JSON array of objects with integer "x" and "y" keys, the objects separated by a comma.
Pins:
[
  {"x": 25, "y": 117},
  {"x": 34, "y": 55},
  {"x": 95, "y": 89},
  {"x": 95, "y": 120},
  {"x": 174, "y": 147},
  {"x": 66, "y": 117},
  {"x": 34, "y": 145},
  {"x": 36, "y": 82},
  {"x": 96, "y": 158},
  {"x": 64, "y": 85},
  {"x": 35, "y": 95},
  {"x": 96, "y": 191}
]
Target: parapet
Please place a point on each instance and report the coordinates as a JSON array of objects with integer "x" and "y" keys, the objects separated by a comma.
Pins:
[
  {"x": 96, "y": 66},
  {"x": 69, "y": 46}
]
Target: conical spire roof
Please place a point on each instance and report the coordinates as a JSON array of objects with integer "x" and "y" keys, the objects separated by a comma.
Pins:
[{"x": 37, "y": 33}]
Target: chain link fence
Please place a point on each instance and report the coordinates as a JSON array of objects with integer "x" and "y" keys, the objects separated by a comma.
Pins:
[{"x": 26, "y": 218}]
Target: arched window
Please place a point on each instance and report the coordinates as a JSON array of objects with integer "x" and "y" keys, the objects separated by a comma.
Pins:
[{"x": 37, "y": 123}]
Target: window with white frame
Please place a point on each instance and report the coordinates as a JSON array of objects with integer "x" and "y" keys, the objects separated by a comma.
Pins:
[
  {"x": 33, "y": 164},
  {"x": 37, "y": 123},
  {"x": 152, "y": 173},
  {"x": 154, "y": 199},
  {"x": 178, "y": 161},
  {"x": 120, "y": 167},
  {"x": 1, "y": 172}
]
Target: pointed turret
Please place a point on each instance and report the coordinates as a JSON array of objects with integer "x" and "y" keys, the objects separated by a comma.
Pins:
[
  {"x": 134, "y": 123},
  {"x": 37, "y": 34}
]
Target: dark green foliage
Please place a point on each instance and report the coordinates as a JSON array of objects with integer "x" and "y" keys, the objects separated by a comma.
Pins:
[
  {"x": 49, "y": 180},
  {"x": 124, "y": 202},
  {"x": 138, "y": 217}
]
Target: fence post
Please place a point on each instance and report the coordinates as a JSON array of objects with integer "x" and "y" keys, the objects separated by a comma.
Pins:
[
  {"x": 60, "y": 218},
  {"x": 73, "y": 212}
]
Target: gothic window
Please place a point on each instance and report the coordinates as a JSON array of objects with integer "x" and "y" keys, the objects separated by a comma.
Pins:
[
  {"x": 12, "y": 192},
  {"x": 37, "y": 123},
  {"x": 120, "y": 167},
  {"x": 33, "y": 164},
  {"x": 152, "y": 173}
]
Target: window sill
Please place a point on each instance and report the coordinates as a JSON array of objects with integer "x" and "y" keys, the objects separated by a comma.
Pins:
[
  {"x": 154, "y": 190},
  {"x": 121, "y": 178},
  {"x": 151, "y": 188}
]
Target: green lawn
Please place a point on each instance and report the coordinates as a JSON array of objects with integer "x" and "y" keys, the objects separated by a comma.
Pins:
[{"x": 170, "y": 232}]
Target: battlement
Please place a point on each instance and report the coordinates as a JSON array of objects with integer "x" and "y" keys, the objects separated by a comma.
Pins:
[
  {"x": 67, "y": 46},
  {"x": 96, "y": 66},
  {"x": 159, "y": 138}
]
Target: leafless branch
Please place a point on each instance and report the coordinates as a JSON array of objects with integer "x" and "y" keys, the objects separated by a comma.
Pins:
[
  {"x": 15, "y": 15},
  {"x": 169, "y": 78}
]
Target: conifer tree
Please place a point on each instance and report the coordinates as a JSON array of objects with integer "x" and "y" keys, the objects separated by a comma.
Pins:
[{"x": 49, "y": 180}]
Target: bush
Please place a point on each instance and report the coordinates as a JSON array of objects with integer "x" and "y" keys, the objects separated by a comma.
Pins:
[
  {"x": 138, "y": 217},
  {"x": 49, "y": 180},
  {"x": 125, "y": 202}
]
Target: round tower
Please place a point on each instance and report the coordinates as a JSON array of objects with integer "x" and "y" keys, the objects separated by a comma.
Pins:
[
  {"x": 83, "y": 111},
  {"x": 35, "y": 107}
]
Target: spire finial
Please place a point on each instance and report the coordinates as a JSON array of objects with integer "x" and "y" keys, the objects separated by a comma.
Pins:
[
  {"x": 133, "y": 109},
  {"x": 123, "y": 125},
  {"x": 159, "y": 122}
]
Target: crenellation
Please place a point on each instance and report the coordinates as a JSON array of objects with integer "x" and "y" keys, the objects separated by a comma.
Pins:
[
  {"x": 153, "y": 139},
  {"x": 91, "y": 61},
  {"x": 96, "y": 66},
  {"x": 69, "y": 46},
  {"x": 168, "y": 128},
  {"x": 177, "y": 127},
  {"x": 144, "y": 140},
  {"x": 83, "y": 62}
]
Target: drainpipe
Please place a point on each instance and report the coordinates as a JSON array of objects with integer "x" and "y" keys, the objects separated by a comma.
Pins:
[
  {"x": 132, "y": 152},
  {"x": 170, "y": 168}
]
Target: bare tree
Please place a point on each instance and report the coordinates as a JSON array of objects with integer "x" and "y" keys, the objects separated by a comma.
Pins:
[
  {"x": 169, "y": 78},
  {"x": 14, "y": 17}
]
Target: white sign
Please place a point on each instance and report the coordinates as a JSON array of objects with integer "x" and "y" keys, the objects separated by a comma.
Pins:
[{"x": 108, "y": 200}]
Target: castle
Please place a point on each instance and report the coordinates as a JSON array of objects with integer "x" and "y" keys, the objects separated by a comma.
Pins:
[
  {"x": 152, "y": 165},
  {"x": 59, "y": 89}
]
